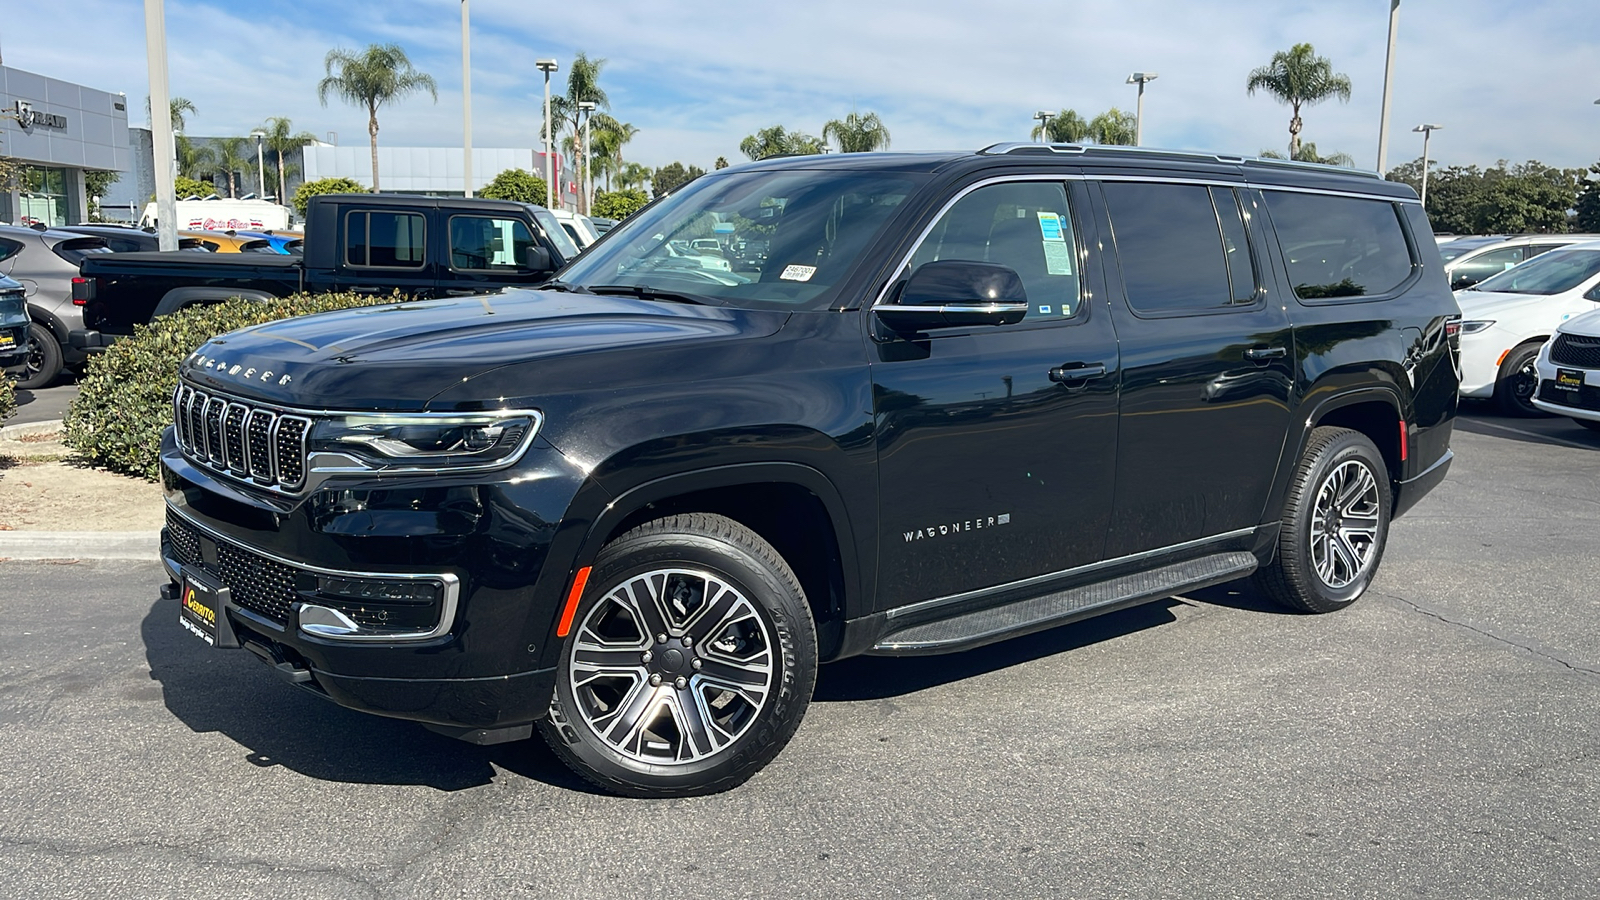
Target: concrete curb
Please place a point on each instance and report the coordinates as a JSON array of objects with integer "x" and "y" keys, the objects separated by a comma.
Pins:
[
  {"x": 142, "y": 545},
  {"x": 28, "y": 429}
]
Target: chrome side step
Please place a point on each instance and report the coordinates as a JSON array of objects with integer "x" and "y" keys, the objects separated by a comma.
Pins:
[{"x": 997, "y": 623}]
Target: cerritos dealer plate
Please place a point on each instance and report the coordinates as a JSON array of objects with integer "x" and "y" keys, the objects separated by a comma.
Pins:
[
  {"x": 1569, "y": 379},
  {"x": 198, "y": 608}
]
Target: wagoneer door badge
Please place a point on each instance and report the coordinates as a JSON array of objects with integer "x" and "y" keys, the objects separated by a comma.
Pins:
[
  {"x": 243, "y": 373},
  {"x": 945, "y": 530}
]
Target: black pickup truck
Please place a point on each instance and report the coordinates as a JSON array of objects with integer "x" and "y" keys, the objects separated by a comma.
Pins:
[{"x": 419, "y": 246}]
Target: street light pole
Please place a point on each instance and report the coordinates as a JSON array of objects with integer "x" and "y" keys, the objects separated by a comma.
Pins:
[
  {"x": 587, "y": 108},
  {"x": 165, "y": 151},
  {"x": 547, "y": 66},
  {"x": 466, "y": 97},
  {"x": 1141, "y": 79},
  {"x": 1427, "y": 132},
  {"x": 261, "y": 166},
  {"x": 1043, "y": 116},
  {"x": 1388, "y": 82}
]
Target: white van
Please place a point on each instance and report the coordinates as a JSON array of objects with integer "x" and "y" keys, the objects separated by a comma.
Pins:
[{"x": 224, "y": 215}]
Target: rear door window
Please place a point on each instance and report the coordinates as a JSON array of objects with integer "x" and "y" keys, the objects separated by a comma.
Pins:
[
  {"x": 1171, "y": 246},
  {"x": 386, "y": 240},
  {"x": 1339, "y": 247}
]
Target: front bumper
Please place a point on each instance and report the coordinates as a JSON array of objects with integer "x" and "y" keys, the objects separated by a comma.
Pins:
[
  {"x": 89, "y": 342},
  {"x": 1583, "y": 403},
  {"x": 1481, "y": 354},
  {"x": 478, "y": 662}
]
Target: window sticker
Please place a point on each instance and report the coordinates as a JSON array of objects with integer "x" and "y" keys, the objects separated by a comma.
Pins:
[
  {"x": 798, "y": 273},
  {"x": 1057, "y": 258},
  {"x": 1045, "y": 309},
  {"x": 1050, "y": 227}
]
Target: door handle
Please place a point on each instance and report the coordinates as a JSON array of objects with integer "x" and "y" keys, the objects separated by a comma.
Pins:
[
  {"x": 365, "y": 290},
  {"x": 460, "y": 292},
  {"x": 1262, "y": 354},
  {"x": 1073, "y": 373}
]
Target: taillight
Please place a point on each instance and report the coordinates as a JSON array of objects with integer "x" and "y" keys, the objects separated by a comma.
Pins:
[
  {"x": 83, "y": 290},
  {"x": 1452, "y": 332}
]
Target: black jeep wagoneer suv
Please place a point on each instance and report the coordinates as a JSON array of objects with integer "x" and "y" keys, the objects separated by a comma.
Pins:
[{"x": 964, "y": 397}]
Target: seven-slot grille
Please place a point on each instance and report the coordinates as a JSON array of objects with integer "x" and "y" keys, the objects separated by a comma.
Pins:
[
  {"x": 252, "y": 442},
  {"x": 1576, "y": 350}
]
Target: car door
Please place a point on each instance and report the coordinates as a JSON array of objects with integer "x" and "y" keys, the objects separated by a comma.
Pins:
[
  {"x": 996, "y": 444},
  {"x": 386, "y": 250},
  {"x": 1207, "y": 363},
  {"x": 485, "y": 252}
]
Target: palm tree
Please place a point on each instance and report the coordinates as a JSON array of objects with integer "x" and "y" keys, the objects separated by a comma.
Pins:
[
  {"x": 779, "y": 141},
  {"x": 1308, "y": 153},
  {"x": 609, "y": 137},
  {"x": 380, "y": 74},
  {"x": 1113, "y": 127},
  {"x": 1299, "y": 78},
  {"x": 1065, "y": 127},
  {"x": 583, "y": 86},
  {"x": 195, "y": 161},
  {"x": 857, "y": 133},
  {"x": 233, "y": 157},
  {"x": 632, "y": 175},
  {"x": 280, "y": 140}
]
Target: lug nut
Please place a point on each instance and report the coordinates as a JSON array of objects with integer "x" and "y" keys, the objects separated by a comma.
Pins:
[
  {"x": 696, "y": 664},
  {"x": 646, "y": 657},
  {"x": 655, "y": 680},
  {"x": 681, "y": 682},
  {"x": 688, "y": 641},
  {"x": 661, "y": 639}
]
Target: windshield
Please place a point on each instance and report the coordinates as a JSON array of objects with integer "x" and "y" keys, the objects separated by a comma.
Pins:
[
  {"x": 1461, "y": 248},
  {"x": 74, "y": 250},
  {"x": 1549, "y": 273},
  {"x": 783, "y": 239}
]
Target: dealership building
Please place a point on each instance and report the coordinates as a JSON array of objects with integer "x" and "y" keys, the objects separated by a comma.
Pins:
[{"x": 57, "y": 131}]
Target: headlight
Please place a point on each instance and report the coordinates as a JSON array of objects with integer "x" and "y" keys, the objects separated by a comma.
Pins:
[
  {"x": 424, "y": 441},
  {"x": 1475, "y": 326}
]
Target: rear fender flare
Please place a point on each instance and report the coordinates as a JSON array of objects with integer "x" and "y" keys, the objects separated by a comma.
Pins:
[{"x": 178, "y": 298}]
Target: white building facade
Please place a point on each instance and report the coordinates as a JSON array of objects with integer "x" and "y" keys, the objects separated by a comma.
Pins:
[
  {"x": 58, "y": 131},
  {"x": 436, "y": 171}
]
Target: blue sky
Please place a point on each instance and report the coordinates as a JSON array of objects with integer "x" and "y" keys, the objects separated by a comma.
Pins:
[{"x": 1507, "y": 80}]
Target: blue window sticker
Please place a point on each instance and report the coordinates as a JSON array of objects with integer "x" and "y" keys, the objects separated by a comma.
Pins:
[
  {"x": 1050, "y": 227},
  {"x": 1044, "y": 309}
]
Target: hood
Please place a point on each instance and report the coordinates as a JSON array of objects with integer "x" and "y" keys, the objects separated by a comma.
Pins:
[
  {"x": 1586, "y": 324},
  {"x": 1483, "y": 305},
  {"x": 397, "y": 356}
]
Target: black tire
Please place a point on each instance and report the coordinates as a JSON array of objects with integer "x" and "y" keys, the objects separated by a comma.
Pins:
[
  {"x": 1517, "y": 381},
  {"x": 641, "y": 738},
  {"x": 44, "y": 359},
  {"x": 1590, "y": 424},
  {"x": 1318, "y": 574}
]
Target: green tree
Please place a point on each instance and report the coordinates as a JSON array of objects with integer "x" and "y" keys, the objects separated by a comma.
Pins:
[
  {"x": 1588, "y": 203},
  {"x": 633, "y": 175},
  {"x": 304, "y": 193},
  {"x": 619, "y": 204},
  {"x": 183, "y": 186},
  {"x": 1299, "y": 77},
  {"x": 609, "y": 136},
  {"x": 1308, "y": 153},
  {"x": 779, "y": 141},
  {"x": 1065, "y": 127},
  {"x": 1527, "y": 197},
  {"x": 516, "y": 184},
  {"x": 282, "y": 138},
  {"x": 177, "y": 107},
  {"x": 857, "y": 133},
  {"x": 583, "y": 86},
  {"x": 1113, "y": 127},
  {"x": 380, "y": 74},
  {"x": 233, "y": 157},
  {"x": 672, "y": 176}
]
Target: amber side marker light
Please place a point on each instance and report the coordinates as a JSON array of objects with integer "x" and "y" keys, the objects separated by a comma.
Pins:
[
  {"x": 1403, "y": 440},
  {"x": 573, "y": 596}
]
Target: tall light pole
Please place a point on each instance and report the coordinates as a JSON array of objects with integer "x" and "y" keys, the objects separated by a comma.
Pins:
[
  {"x": 1141, "y": 79},
  {"x": 587, "y": 108},
  {"x": 1388, "y": 82},
  {"x": 1427, "y": 132},
  {"x": 466, "y": 96},
  {"x": 165, "y": 151},
  {"x": 547, "y": 66},
  {"x": 1043, "y": 116},
  {"x": 261, "y": 166}
]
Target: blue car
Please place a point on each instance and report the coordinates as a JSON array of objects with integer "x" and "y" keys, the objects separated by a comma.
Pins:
[
  {"x": 13, "y": 327},
  {"x": 287, "y": 244}
]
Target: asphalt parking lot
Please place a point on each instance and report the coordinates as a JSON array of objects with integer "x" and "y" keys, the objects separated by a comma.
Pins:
[{"x": 1438, "y": 739}]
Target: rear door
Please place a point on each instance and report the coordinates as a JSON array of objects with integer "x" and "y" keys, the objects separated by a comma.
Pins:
[
  {"x": 386, "y": 250},
  {"x": 1207, "y": 362},
  {"x": 994, "y": 466}
]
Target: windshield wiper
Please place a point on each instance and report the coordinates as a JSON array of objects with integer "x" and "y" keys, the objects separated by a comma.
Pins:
[
  {"x": 646, "y": 292},
  {"x": 564, "y": 287}
]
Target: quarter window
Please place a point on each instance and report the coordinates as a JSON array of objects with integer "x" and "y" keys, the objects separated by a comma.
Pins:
[
  {"x": 1337, "y": 247},
  {"x": 485, "y": 243},
  {"x": 385, "y": 239},
  {"x": 1025, "y": 226},
  {"x": 1172, "y": 249}
]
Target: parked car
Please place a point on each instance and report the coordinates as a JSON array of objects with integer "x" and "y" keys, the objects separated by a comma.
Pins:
[
  {"x": 580, "y": 228},
  {"x": 969, "y": 396},
  {"x": 1507, "y": 318},
  {"x": 283, "y": 243},
  {"x": 13, "y": 328},
  {"x": 1469, "y": 264},
  {"x": 127, "y": 239},
  {"x": 418, "y": 246},
  {"x": 219, "y": 241},
  {"x": 1568, "y": 369},
  {"x": 602, "y": 225},
  {"x": 46, "y": 262}
]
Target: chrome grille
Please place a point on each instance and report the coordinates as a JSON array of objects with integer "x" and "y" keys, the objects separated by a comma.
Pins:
[
  {"x": 1576, "y": 350},
  {"x": 237, "y": 438}
]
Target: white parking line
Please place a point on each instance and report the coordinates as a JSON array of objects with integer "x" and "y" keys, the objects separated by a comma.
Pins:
[{"x": 1534, "y": 434}]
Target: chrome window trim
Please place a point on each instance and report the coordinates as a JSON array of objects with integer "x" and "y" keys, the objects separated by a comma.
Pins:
[
  {"x": 980, "y": 593},
  {"x": 447, "y": 607}
]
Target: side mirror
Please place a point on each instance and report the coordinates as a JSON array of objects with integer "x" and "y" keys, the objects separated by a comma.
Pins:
[
  {"x": 1592, "y": 294},
  {"x": 536, "y": 259},
  {"x": 957, "y": 293}
]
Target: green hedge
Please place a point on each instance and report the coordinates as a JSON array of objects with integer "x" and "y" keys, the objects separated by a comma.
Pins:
[
  {"x": 125, "y": 396},
  {"x": 8, "y": 398}
]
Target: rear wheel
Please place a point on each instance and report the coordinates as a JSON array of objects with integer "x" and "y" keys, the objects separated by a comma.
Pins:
[
  {"x": 44, "y": 359},
  {"x": 1335, "y": 524},
  {"x": 1518, "y": 380},
  {"x": 690, "y": 662}
]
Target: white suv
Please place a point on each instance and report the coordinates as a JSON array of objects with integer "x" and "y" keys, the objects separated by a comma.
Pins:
[
  {"x": 1505, "y": 319},
  {"x": 1569, "y": 371}
]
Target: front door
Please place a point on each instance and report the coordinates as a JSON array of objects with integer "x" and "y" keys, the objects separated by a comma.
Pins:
[{"x": 992, "y": 469}]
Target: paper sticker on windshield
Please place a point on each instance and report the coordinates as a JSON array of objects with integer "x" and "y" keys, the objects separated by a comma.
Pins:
[
  {"x": 1057, "y": 258},
  {"x": 798, "y": 273},
  {"x": 1050, "y": 227}
]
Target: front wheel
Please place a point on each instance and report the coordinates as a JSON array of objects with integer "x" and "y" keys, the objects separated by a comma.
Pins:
[
  {"x": 689, "y": 664},
  {"x": 1518, "y": 380},
  {"x": 44, "y": 359},
  {"x": 1335, "y": 524}
]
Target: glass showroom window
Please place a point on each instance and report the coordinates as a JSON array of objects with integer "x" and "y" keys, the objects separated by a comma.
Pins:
[{"x": 43, "y": 195}]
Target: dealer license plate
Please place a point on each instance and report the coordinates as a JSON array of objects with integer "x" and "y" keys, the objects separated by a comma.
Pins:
[
  {"x": 1569, "y": 379},
  {"x": 7, "y": 341},
  {"x": 199, "y": 606}
]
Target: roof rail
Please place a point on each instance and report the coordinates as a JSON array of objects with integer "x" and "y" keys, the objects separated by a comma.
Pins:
[
  {"x": 1110, "y": 149},
  {"x": 1319, "y": 167}
]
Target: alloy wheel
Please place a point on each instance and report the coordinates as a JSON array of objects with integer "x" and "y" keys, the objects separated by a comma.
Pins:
[{"x": 1344, "y": 524}]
